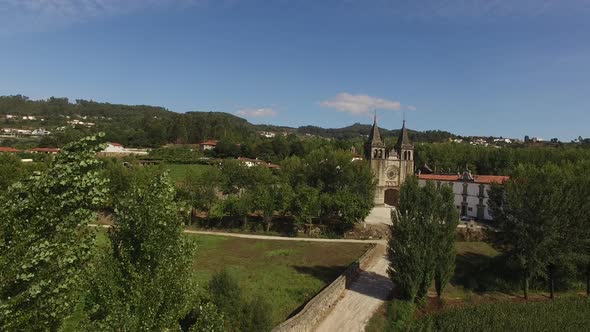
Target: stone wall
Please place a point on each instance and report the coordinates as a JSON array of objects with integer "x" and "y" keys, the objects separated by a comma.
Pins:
[{"x": 318, "y": 307}]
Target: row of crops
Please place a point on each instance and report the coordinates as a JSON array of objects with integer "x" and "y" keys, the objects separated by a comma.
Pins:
[{"x": 566, "y": 314}]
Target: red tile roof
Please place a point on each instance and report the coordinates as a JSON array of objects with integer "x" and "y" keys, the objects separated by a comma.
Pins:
[
  {"x": 485, "y": 179},
  {"x": 209, "y": 142},
  {"x": 6, "y": 149},
  {"x": 46, "y": 150},
  {"x": 116, "y": 144}
]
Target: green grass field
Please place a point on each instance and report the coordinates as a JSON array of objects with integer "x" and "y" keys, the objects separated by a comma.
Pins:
[
  {"x": 287, "y": 274},
  {"x": 179, "y": 171}
]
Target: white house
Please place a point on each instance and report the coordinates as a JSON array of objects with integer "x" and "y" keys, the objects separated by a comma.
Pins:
[
  {"x": 208, "y": 145},
  {"x": 471, "y": 191},
  {"x": 114, "y": 149},
  {"x": 40, "y": 132}
]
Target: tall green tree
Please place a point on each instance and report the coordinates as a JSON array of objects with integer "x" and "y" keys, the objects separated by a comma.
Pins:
[
  {"x": 446, "y": 221},
  {"x": 44, "y": 246},
  {"x": 422, "y": 245},
  {"x": 142, "y": 281},
  {"x": 534, "y": 211}
]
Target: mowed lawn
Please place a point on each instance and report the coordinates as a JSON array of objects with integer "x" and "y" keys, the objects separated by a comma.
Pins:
[
  {"x": 286, "y": 273},
  {"x": 179, "y": 171}
]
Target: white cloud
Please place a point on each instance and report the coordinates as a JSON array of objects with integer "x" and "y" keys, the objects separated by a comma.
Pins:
[
  {"x": 257, "y": 112},
  {"x": 363, "y": 104},
  {"x": 18, "y": 15}
]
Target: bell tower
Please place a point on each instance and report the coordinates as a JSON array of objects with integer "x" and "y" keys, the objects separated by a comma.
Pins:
[
  {"x": 375, "y": 148},
  {"x": 403, "y": 147},
  {"x": 391, "y": 168}
]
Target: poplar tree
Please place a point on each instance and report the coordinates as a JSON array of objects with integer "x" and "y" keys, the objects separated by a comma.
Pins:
[
  {"x": 44, "y": 244},
  {"x": 142, "y": 281}
]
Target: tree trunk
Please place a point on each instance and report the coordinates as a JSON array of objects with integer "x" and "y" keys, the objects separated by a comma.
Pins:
[
  {"x": 245, "y": 222},
  {"x": 438, "y": 286},
  {"x": 525, "y": 284},
  {"x": 588, "y": 280},
  {"x": 551, "y": 281},
  {"x": 267, "y": 223}
]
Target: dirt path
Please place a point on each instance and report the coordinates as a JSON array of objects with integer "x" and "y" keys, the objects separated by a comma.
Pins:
[
  {"x": 361, "y": 300},
  {"x": 268, "y": 237},
  {"x": 281, "y": 238}
]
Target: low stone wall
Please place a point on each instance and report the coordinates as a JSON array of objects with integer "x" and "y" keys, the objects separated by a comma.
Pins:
[{"x": 318, "y": 307}]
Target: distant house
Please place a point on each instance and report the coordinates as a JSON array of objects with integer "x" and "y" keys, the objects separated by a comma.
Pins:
[
  {"x": 113, "y": 147},
  {"x": 208, "y": 145},
  {"x": 44, "y": 150},
  {"x": 8, "y": 150},
  {"x": 118, "y": 150},
  {"x": 40, "y": 132},
  {"x": 471, "y": 191},
  {"x": 249, "y": 162}
]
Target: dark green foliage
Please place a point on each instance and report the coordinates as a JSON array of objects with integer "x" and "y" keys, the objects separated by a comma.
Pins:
[
  {"x": 11, "y": 169},
  {"x": 240, "y": 314},
  {"x": 142, "y": 281},
  {"x": 568, "y": 314},
  {"x": 422, "y": 245},
  {"x": 538, "y": 211},
  {"x": 43, "y": 249},
  {"x": 178, "y": 155},
  {"x": 453, "y": 157},
  {"x": 400, "y": 315}
]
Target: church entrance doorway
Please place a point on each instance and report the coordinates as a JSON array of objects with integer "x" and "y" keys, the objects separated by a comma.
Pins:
[{"x": 392, "y": 197}]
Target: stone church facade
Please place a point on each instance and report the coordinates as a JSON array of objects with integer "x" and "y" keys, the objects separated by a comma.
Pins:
[{"x": 391, "y": 167}]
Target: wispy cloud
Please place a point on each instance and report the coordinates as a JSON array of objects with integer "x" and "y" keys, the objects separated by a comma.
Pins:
[
  {"x": 24, "y": 14},
  {"x": 362, "y": 104},
  {"x": 424, "y": 9},
  {"x": 257, "y": 112}
]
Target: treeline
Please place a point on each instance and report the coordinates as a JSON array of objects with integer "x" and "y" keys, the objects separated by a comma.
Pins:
[
  {"x": 543, "y": 217},
  {"x": 149, "y": 126},
  {"x": 325, "y": 187},
  {"x": 362, "y": 130},
  {"x": 454, "y": 158}
]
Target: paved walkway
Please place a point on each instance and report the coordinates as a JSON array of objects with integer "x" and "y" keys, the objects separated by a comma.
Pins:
[
  {"x": 379, "y": 215},
  {"x": 361, "y": 300}
]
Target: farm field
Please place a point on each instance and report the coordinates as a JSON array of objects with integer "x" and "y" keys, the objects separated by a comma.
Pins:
[
  {"x": 285, "y": 273},
  {"x": 178, "y": 171}
]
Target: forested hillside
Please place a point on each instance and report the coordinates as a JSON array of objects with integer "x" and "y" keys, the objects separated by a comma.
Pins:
[{"x": 150, "y": 126}]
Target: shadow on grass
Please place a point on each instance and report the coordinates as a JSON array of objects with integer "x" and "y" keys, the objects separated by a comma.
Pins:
[
  {"x": 326, "y": 274},
  {"x": 482, "y": 273}
]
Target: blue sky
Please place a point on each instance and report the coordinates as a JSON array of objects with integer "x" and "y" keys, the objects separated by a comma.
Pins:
[{"x": 472, "y": 67}]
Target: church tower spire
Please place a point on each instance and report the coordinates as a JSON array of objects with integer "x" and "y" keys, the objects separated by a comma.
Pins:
[
  {"x": 374, "y": 148},
  {"x": 404, "y": 147}
]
